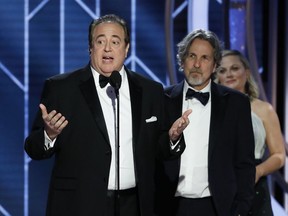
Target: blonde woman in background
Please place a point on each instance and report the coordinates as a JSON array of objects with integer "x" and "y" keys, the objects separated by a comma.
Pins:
[{"x": 234, "y": 72}]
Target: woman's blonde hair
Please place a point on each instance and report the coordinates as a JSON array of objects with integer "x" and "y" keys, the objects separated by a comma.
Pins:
[{"x": 251, "y": 88}]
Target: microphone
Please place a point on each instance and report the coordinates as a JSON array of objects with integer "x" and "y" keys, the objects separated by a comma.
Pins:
[{"x": 115, "y": 80}]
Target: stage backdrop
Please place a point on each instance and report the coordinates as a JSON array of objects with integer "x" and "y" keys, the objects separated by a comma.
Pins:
[{"x": 42, "y": 38}]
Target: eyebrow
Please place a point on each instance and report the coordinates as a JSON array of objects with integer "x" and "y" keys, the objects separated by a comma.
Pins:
[{"x": 113, "y": 36}]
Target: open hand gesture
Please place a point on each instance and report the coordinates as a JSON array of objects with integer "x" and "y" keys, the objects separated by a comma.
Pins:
[
  {"x": 179, "y": 125},
  {"x": 54, "y": 122}
]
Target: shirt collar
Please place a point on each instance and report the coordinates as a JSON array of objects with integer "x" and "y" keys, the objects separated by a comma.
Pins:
[{"x": 96, "y": 75}]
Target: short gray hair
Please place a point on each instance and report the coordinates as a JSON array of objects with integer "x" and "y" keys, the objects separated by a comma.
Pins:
[{"x": 211, "y": 37}]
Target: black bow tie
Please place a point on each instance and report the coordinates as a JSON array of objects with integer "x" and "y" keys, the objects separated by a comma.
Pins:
[
  {"x": 202, "y": 97},
  {"x": 103, "y": 80}
]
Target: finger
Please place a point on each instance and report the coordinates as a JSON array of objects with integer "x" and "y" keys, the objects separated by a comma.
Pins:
[
  {"x": 43, "y": 110},
  {"x": 63, "y": 125},
  {"x": 56, "y": 118},
  {"x": 181, "y": 121},
  {"x": 184, "y": 118},
  {"x": 187, "y": 113},
  {"x": 52, "y": 116},
  {"x": 59, "y": 122},
  {"x": 47, "y": 117}
]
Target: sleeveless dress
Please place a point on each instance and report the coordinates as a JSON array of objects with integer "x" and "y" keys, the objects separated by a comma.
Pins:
[{"x": 262, "y": 203}]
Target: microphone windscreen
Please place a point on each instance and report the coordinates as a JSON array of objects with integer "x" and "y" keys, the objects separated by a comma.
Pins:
[{"x": 115, "y": 80}]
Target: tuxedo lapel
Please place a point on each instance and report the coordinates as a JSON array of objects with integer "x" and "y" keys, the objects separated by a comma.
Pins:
[
  {"x": 218, "y": 106},
  {"x": 175, "y": 98},
  {"x": 173, "y": 106},
  {"x": 136, "y": 103},
  {"x": 91, "y": 97}
]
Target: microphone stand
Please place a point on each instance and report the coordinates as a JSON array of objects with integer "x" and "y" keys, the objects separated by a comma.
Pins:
[
  {"x": 117, "y": 157},
  {"x": 115, "y": 82}
]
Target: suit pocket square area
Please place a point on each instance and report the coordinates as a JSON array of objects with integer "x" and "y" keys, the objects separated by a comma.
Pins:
[{"x": 152, "y": 119}]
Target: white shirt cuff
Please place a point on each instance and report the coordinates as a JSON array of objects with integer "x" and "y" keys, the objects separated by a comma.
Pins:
[{"x": 48, "y": 142}]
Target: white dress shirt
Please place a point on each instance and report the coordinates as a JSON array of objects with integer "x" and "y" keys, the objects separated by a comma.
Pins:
[
  {"x": 193, "y": 176},
  {"x": 108, "y": 103}
]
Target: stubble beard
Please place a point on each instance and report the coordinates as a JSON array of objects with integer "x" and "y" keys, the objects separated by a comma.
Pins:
[{"x": 195, "y": 79}]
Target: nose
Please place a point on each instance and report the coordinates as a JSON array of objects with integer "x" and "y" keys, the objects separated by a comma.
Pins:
[
  {"x": 107, "y": 47},
  {"x": 229, "y": 73},
  {"x": 197, "y": 63}
]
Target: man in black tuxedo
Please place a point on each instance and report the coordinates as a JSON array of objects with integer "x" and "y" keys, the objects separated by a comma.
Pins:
[
  {"x": 216, "y": 173},
  {"x": 77, "y": 123}
]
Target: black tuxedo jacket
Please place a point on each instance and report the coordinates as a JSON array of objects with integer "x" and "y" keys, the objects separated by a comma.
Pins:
[
  {"x": 82, "y": 151},
  {"x": 231, "y": 169}
]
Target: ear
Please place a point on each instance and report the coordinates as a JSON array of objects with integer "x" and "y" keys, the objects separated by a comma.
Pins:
[
  {"x": 127, "y": 49},
  {"x": 214, "y": 68}
]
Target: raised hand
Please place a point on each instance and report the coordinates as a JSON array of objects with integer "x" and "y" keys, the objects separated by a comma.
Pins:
[
  {"x": 179, "y": 125},
  {"x": 54, "y": 122}
]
